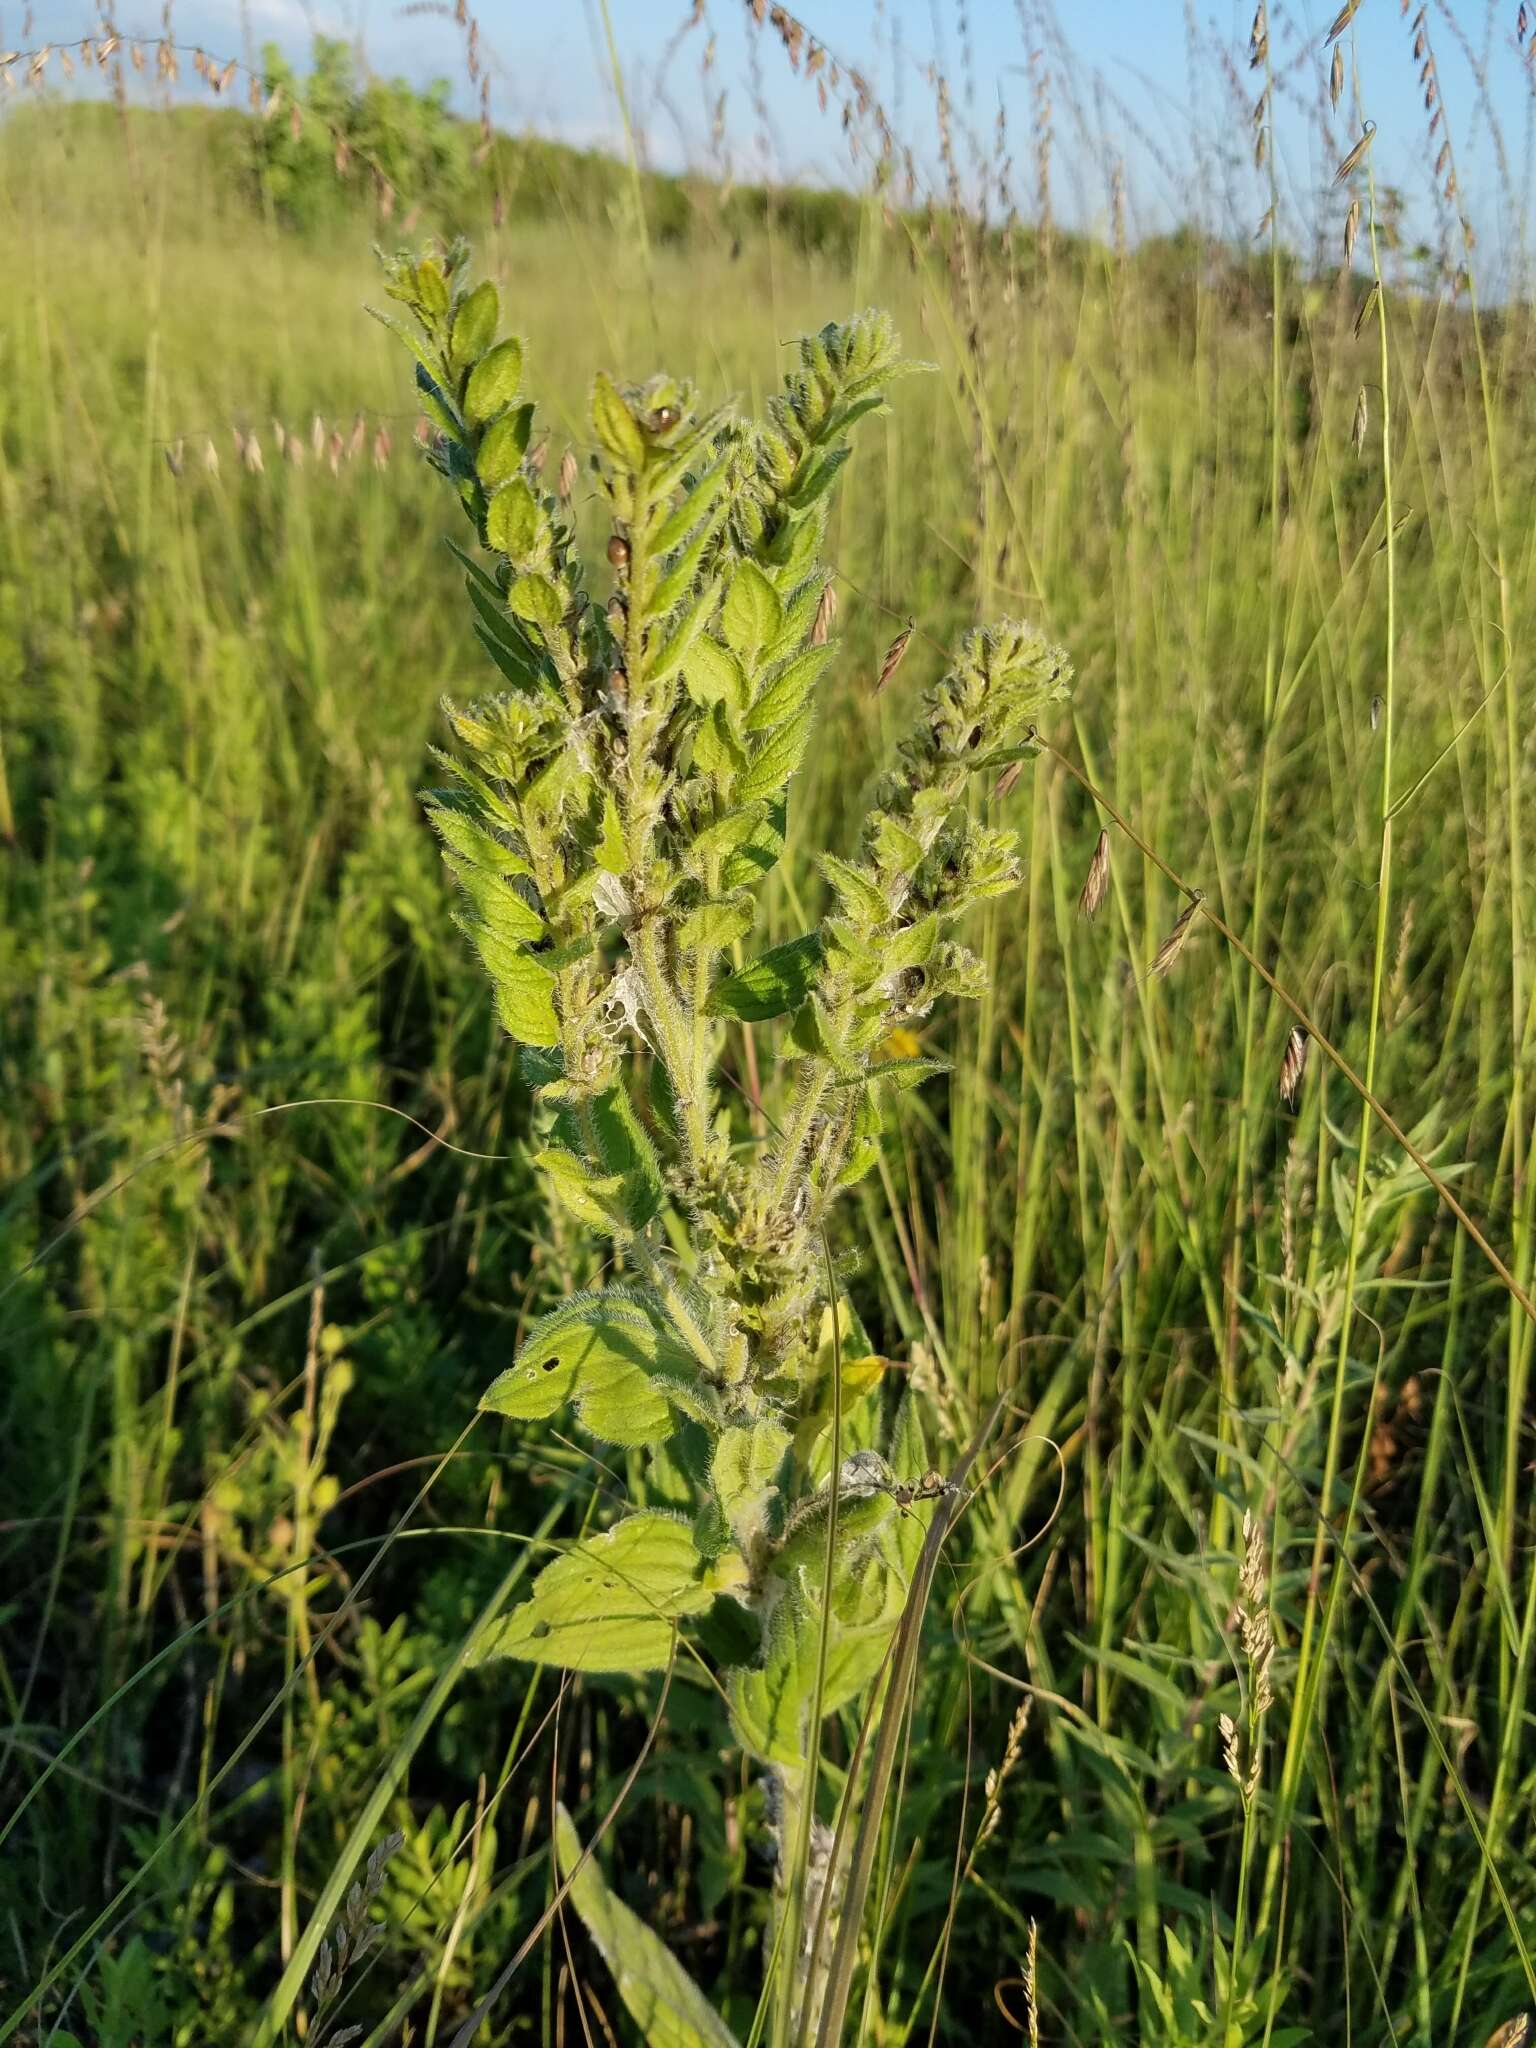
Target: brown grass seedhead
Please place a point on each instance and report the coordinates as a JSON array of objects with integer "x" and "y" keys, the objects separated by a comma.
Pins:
[
  {"x": 1169, "y": 951},
  {"x": 1293, "y": 1065},
  {"x": 826, "y": 616},
  {"x": 1350, "y": 162},
  {"x": 1096, "y": 883},
  {"x": 893, "y": 654}
]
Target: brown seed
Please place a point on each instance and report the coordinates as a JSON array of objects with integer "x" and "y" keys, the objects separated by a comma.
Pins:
[
  {"x": 1355, "y": 154},
  {"x": 1351, "y": 229},
  {"x": 1293, "y": 1065},
  {"x": 569, "y": 470},
  {"x": 1342, "y": 19},
  {"x": 1169, "y": 951},
  {"x": 1336, "y": 76},
  {"x": 893, "y": 654},
  {"x": 618, "y": 552},
  {"x": 826, "y": 615},
  {"x": 1096, "y": 883}
]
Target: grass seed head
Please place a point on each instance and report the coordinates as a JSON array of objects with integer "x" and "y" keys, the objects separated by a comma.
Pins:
[
  {"x": 893, "y": 654},
  {"x": 1293, "y": 1065},
  {"x": 1096, "y": 883},
  {"x": 1169, "y": 951}
]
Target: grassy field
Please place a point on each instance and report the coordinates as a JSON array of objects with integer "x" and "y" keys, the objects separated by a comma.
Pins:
[{"x": 267, "y": 1229}]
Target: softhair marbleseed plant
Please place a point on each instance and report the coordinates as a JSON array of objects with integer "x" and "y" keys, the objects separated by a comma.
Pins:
[{"x": 611, "y": 812}]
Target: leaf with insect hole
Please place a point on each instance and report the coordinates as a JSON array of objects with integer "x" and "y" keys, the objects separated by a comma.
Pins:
[
  {"x": 609, "y": 1603},
  {"x": 617, "y": 1356},
  {"x": 660, "y": 1997}
]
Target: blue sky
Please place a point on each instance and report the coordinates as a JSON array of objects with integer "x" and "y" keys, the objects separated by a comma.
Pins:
[{"x": 1125, "y": 84}]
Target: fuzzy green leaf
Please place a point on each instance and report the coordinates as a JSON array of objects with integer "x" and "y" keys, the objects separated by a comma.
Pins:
[
  {"x": 777, "y": 759},
  {"x": 714, "y": 926},
  {"x": 617, "y": 1357},
  {"x": 524, "y": 990},
  {"x": 777, "y": 982},
  {"x": 861, "y": 898},
  {"x": 679, "y": 523},
  {"x": 751, "y": 613},
  {"x": 535, "y": 598},
  {"x": 616, "y": 426},
  {"x": 758, "y": 851},
  {"x": 744, "y": 1466},
  {"x": 503, "y": 446},
  {"x": 783, "y": 697},
  {"x": 716, "y": 750},
  {"x": 770, "y": 1703},
  {"x": 474, "y": 324},
  {"x": 515, "y": 522},
  {"x": 658, "y": 1994},
  {"x": 608, "y": 1604},
  {"x": 471, "y": 842},
  {"x": 627, "y": 1152},
  {"x": 713, "y": 674},
  {"x": 494, "y": 380},
  {"x": 670, "y": 655},
  {"x": 903, "y": 1074}
]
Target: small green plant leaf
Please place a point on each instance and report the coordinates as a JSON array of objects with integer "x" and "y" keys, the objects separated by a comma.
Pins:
[
  {"x": 777, "y": 759},
  {"x": 860, "y": 896},
  {"x": 627, "y": 1152},
  {"x": 615, "y": 425},
  {"x": 494, "y": 380},
  {"x": 503, "y": 446},
  {"x": 474, "y": 324},
  {"x": 471, "y": 842},
  {"x": 745, "y": 1463},
  {"x": 758, "y": 851},
  {"x": 772, "y": 985},
  {"x": 751, "y": 613},
  {"x": 617, "y": 1357},
  {"x": 714, "y": 675},
  {"x": 770, "y": 1701},
  {"x": 515, "y": 524},
  {"x": 660, "y": 1997},
  {"x": 609, "y": 1603},
  {"x": 714, "y": 926},
  {"x": 536, "y": 599},
  {"x": 783, "y": 697}
]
